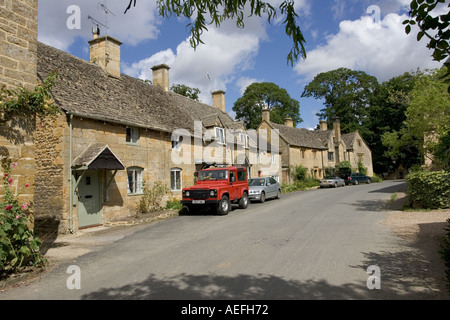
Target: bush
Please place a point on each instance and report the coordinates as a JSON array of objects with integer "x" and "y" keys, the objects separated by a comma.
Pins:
[
  {"x": 18, "y": 245},
  {"x": 299, "y": 185},
  {"x": 429, "y": 190},
  {"x": 300, "y": 173},
  {"x": 153, "y": 197},
  {"x": 174, "y": 204},
  {"x": 375, "y": 179}
]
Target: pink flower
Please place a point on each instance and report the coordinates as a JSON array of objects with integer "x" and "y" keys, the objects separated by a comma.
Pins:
[
  {"x": 14, "y": 165},
  {"x": 26, "y": 205},
  {"x": 8, "y": 207},
  {"x": 10, "y": 180},
  {"x": 6, "y": 174},
  {"x": 18, "y": 216},
  {"x": 27, "y": 185}
]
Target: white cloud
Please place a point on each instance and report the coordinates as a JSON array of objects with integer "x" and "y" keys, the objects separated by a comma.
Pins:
[
  {"x": 212, "y": 65},
  {"x": 138, "y": 24},
  {"x": 244, "y": 82},
  {"x": 380, "y": 49}
]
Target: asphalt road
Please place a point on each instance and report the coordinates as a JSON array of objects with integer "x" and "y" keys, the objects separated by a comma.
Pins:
[{"x": 316, "y": 244}]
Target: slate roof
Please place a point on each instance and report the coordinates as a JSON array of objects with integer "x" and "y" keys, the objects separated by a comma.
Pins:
[{"x": 84, "y": 89}]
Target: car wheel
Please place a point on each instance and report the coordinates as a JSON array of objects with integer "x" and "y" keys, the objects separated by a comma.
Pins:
[
  {"x": 368, "y": 181},
  {"x": 356, "y": 182},
  {"x": 279, "y": 194},
  {"x": 243, "y": 202},
  {"x": 223, "y": 208},
  {"x": 186, "y": 209},
  {"x": 335, "y": 185},
  {"x": 263, "y": 197}
]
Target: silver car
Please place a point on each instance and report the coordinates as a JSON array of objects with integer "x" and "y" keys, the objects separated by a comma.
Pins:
[
  {"x": 261, "y": 189},
  {"x": 332, "y": 182}
]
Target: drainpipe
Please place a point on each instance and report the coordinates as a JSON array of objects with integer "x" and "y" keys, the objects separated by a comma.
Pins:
[{"x": 70, "y": 175}]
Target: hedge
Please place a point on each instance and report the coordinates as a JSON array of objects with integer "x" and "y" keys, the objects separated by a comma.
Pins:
[{"x": 429, "y": 189}]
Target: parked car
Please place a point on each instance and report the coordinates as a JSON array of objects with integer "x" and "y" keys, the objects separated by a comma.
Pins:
[
  {"x": 357, "y": 178},
  {"x": 217, "y": 188},
  {"x": 332, "y": 181},
  {"x": 264, "y": 188}
]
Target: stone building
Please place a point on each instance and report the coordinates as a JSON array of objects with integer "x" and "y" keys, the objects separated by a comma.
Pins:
[
  {"x": 115, "y": 133},
  {"x": 317, "y": 150},
  {"x": 18, "y": 69}
]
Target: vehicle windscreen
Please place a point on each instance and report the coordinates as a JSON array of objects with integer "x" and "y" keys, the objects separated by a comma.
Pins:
[
  {"x": 213, "y": 175},
  {"x": 256, "y": 182}
]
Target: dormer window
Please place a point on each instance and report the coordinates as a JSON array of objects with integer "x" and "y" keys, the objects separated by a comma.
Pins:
[
  {"x": 132, "y": 135},
  {"x": 220, "y": 135}
]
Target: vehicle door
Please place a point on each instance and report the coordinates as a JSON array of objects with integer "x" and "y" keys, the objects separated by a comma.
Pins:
[
  {"x": 242, "y": 182},
  {"x": 270, "y": 187},
  {"x": 234, "y": 185}
]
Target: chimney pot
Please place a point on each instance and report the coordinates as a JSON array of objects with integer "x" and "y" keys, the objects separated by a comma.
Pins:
[
  {"x": 323, "y": 125},
  {"x": 161, "y": 76},
  {"x": 266, "y": 113},
  {"x": 219, "y": 100},
  {"x": 289, "y": 122},
  {"x": 105, "y": 52}
]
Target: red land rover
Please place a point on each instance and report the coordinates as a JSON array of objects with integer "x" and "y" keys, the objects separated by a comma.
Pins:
[{"x": 218, "y": 188}]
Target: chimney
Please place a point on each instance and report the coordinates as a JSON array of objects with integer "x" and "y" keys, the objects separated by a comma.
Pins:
[
  {"x": 266, "y": 114},
  {"x": 289, "y": 122},
  {"x": 323, "y": 125},
  {"x": 337, "y": 129},
  {"x": 105, "y": 52},
  {"x": 219, "y": 100},
  {"x": 161, "y": 76}
]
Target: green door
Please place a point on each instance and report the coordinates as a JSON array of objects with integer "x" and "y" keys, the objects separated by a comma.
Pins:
[{"x": 89, "y": 204}]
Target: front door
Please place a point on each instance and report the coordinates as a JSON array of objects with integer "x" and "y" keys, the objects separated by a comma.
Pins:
[{"x": 89, "y": 204}]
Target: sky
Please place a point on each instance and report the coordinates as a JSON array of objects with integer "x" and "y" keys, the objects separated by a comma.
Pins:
[{"x": 363, "y": 35}]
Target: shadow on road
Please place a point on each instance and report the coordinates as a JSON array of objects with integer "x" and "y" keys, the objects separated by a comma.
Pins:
[{"x": 399, "y": 185}]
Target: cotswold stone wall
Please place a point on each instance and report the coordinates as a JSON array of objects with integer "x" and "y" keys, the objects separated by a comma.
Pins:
[
  {"x": 18, "y": 68},
  {"x": 18, "y": 42},
  {"x": 51, "y": 181}
]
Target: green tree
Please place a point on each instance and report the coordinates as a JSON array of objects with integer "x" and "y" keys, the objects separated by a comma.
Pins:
[
  {"x": 346, "y": 93},
  {"x": 433, "y": 26},
  {"x": 427, "y": 117},
  {"x": 248, "y": 108},
  {"x": 186, "y": 91},
  {"x": 386, "y": 114},
  {"x": 219, "y": 11}
]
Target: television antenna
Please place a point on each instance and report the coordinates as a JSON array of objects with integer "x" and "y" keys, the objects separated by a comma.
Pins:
[{"x": 96, "y": 29}]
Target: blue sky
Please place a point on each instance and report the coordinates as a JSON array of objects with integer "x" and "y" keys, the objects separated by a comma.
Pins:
[{"x": 357, "y": 34}]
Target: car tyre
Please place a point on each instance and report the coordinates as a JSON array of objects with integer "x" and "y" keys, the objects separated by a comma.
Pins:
[
  {"x": 263, "y": 197},
  {"x": 243, "y": 202},
  {"x": 279, "y": 194},
  {"x": 356, "y": 182},
  {"x": 335, "y": 185},
  {"x": 368, "y": 181},
  {"x": 224, "y": 206}
]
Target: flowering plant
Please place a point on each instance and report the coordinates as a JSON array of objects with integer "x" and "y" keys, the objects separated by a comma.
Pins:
[{"x": 18, "y": 245}]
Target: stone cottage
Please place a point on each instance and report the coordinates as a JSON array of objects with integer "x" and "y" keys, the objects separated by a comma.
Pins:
[
  {"x": 115, "y": 133},
  {"x": 317, "y": 150}
]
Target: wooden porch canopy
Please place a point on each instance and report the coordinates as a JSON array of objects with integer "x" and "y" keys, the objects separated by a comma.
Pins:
[{"x": 97, "y": 156}]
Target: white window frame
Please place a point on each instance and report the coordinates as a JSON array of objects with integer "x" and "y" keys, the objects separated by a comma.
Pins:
[
  {"x": 220, "y": 138},
  {"x": 134, "y": 135},
  {"x": 137, "y": 181},
  {"x": 244, "y": 140},
  {"x": 176, "y": 179}
]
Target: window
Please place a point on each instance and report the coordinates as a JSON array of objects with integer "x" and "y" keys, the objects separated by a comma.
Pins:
[
  {"x": 244, "y": 140},
  {"x": 175, "y": 179},
  {"x": 241, "y": 175},
  {"x": 220, "y": 135},
  {"x": 132, "y": 135},
  {"x": 330, "y": 156},
  {"x": 134, "y": 179}
]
